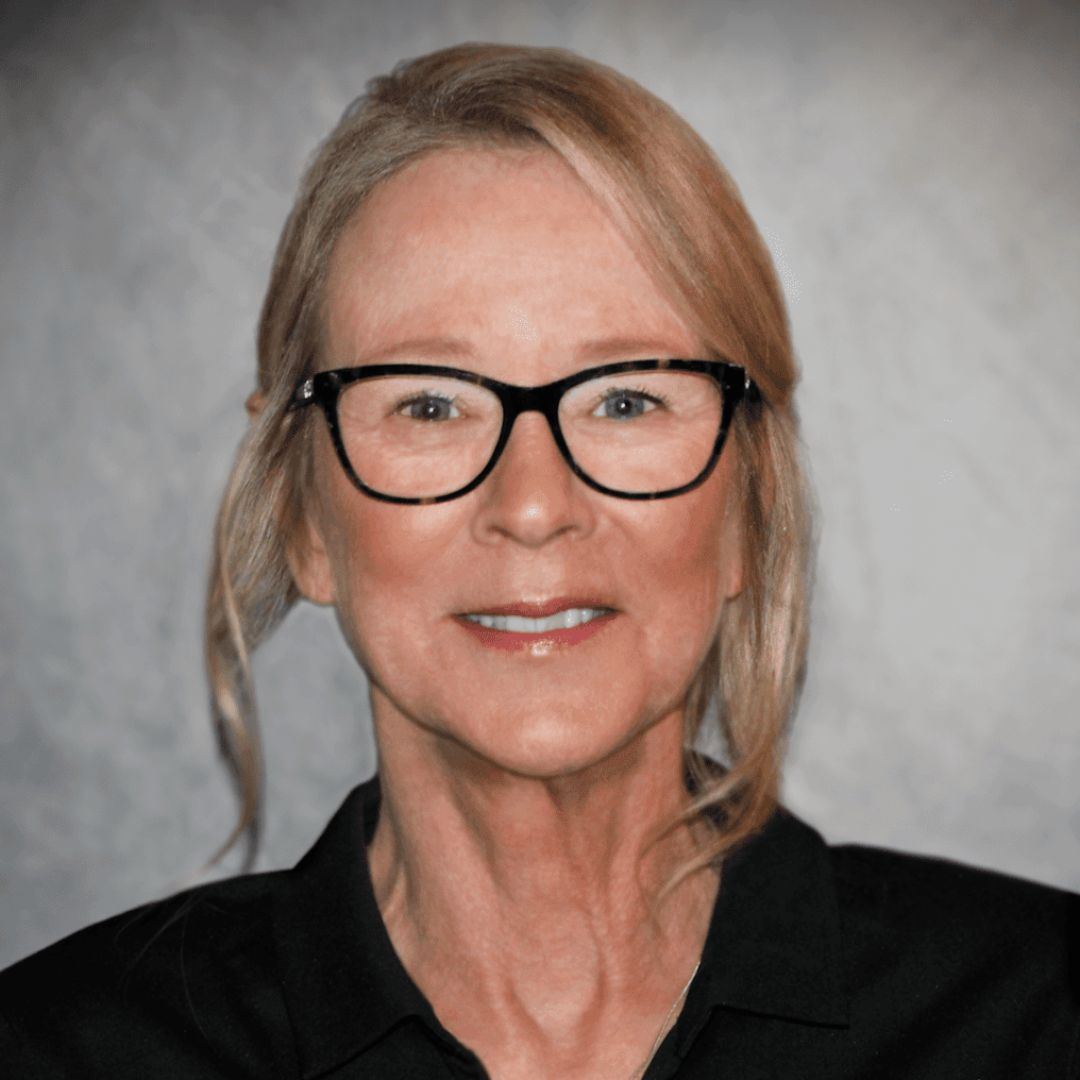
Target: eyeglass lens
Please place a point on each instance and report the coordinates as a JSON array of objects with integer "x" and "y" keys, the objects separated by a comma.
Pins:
[{"x": 422, "y": 436}]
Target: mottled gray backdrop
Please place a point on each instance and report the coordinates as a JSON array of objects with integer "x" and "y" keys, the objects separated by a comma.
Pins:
[{"x": 914, "y": 168}]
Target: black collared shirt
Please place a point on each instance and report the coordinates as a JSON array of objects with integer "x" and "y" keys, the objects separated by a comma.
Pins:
[{"x": 820, "y": 962}]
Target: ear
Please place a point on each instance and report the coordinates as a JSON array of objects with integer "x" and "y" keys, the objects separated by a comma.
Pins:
[
  {"x": 733, "y": 561},
  {"x": 309, "y": 561},
  {"x": 256, "y": 402},
  {"x": 733, "y": 534}
]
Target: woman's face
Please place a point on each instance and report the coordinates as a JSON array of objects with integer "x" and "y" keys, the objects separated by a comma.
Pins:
[{"x": 500, "y": 262}]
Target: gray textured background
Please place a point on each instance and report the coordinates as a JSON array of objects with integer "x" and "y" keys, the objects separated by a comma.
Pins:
[{"x": 914, "y": 168}]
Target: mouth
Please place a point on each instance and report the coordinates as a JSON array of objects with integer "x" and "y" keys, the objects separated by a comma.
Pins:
[
  {"x": 564, "y": 620},
  {"x": 519, "y": 624}
]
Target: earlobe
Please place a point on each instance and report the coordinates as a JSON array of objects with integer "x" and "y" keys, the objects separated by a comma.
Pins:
[
  {"x": 309, "y": 563},
  {"x": 733, "y": 549},
  {"x": 734, "y": 582},
  {"x": 255, "y": 403}
]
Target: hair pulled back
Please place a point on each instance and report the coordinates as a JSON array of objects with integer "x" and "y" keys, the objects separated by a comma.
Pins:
[{"x": 681, "y": 211}]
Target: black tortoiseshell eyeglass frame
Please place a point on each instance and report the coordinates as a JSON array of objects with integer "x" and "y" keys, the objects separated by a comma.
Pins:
[{"x": 325, "y": 387}]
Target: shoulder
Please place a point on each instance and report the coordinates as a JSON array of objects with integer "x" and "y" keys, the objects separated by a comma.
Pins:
[
  {"x": 934, "y": 946},
  {"x": 178, "y": 976},
  {"x": 905, "y": 893}
]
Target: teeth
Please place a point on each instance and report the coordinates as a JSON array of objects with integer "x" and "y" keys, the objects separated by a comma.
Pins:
[{"x": 561, "y": 620}]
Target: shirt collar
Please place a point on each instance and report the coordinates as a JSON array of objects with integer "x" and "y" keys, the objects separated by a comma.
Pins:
[
  {"x": 343, "y": 983},
  {"x": 773, "y": 945}
]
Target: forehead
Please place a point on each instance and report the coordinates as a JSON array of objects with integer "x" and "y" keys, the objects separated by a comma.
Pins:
[{"x": 493, "y": 247}]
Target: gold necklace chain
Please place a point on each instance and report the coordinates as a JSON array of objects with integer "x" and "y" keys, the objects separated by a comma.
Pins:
[{"x": 640, "y": 1070}]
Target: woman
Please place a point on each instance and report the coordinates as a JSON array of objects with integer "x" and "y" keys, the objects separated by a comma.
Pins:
[{"x": 524, "y": 419}]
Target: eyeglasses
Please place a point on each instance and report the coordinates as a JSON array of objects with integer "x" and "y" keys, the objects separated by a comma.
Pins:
[{"x": 421, "y": 434}]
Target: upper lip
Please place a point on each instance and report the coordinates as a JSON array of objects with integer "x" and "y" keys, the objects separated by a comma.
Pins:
[{"x": 542, "y": 609}]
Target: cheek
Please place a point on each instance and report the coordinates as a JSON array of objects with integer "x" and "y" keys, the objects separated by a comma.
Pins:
[
  {"x": 688, "y": 565},
  {"x": 393, "y": 569}
]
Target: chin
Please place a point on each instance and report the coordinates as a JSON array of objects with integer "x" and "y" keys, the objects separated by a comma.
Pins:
[{"x": 547, "y": 749}]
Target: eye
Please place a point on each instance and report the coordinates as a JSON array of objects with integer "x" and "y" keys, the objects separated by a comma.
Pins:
[
  {"x": 628, "y": 402},
  {"x": 428, "y": 406}
]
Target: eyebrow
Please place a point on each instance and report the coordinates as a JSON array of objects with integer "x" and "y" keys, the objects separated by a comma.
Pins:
[{"x": 445, "y": 348}]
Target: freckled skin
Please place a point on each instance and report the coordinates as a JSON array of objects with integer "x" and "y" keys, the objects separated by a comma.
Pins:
[{"x": 539, "y": 772}]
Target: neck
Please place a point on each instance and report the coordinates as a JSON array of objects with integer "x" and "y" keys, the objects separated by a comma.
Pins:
[{"x": 539, "y": 894}]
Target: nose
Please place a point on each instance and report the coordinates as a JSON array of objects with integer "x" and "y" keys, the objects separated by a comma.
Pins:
[{"x": 532, "y": 495}]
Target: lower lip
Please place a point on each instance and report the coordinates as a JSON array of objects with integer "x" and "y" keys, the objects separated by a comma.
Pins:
[{"x": 509, "y": 641}]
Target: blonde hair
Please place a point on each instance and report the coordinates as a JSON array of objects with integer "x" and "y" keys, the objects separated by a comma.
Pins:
[{"x": 683, "y": 213}]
